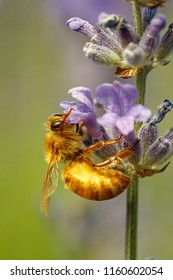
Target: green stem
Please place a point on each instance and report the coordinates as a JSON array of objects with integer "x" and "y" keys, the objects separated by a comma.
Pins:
[
  {"x": 137, "y": 19},
  {"x": 131, "y": 220},
  {"x": 141, "y": 86},
  {"x": 132, "y": 192}
]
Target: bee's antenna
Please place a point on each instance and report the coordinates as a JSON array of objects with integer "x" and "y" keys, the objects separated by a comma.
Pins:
[{"x": 65, "y": 118}]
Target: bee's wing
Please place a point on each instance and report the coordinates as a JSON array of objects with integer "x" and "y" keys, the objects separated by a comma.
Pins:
[{"x": 49, "y": 185}]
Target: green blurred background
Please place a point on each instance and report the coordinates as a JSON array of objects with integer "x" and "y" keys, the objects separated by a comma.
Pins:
[{"x": 40, "y": 60}]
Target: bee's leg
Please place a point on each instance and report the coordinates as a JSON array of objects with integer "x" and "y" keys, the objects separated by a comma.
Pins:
[
  {"x": 101, "y": 144},
  {"x": 120, "y": 156}
]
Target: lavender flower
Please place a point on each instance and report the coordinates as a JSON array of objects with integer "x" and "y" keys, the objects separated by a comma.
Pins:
[
  {"x": 165, "y": 48},
  {"x": 152, "y": 153},
  {"x": 84, "y": 110},
  {"x": 81, "y": 26},
  {"x": 107, "y": 43},
  {"x": 150, "y": 39},
  {"x": 155, "y": 151},
  {"x": 148, "y": 45},
  {"x": 152, "y": 50},
  {"x": 114, "y": 43},
  {"x": 119, "y": 101}
]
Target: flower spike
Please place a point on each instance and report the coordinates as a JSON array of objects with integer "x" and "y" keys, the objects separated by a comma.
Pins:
[{"x": 114, "y": 42}]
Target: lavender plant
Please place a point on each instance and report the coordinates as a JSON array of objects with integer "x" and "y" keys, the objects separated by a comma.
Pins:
[{"x": 132, "y": 51}]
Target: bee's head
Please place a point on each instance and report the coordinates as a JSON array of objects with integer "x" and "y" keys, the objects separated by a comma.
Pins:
[
  {"x": 56, "y": 122},
  {"x": 59, "y": 123}
]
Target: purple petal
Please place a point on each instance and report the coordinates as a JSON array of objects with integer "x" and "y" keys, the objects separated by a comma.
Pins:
[
  {"x": 77, "y": 117},
  {"x": 65, "y": 105},
  {"x": 83, "y": 113},
  {"x": 140, "y": 113},
  {"x": 78, "y": 114},
  {"x": 116, "y": 98},
  {"x": 108, "y": 120},
  {"x": 108, "y": 96},
  {"x": 83, "y": 95},
  {"x": 125, "y": 125},
  {"x": 93, "y": 127},
  {"x": 129, "y": 95}
]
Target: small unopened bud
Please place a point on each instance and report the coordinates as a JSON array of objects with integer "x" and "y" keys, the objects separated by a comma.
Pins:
[
  {"x": 169, "y": 136},
  {"x": 149, "y": 41},
  {"x": 159, "y": 153},
  {"x": 147, "y": 134},
  {"x": 101, "y": 54},
  {"x": 133, "y": 55},
  {"x": 126, "y": 34},
  {"x": 103, "y": 38},
  {"x": 166, "y": 44},
  {"x": 81, "y": 26}
]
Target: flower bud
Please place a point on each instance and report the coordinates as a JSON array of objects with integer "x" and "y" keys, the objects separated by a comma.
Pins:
[
  {"x": 133, "y": 55},
  {"x": 147, "y": 134},
  {"x": 103, "y": 38},
  {"x": 126, "y": 34},
  {"x": 158, "y": 153},
  {"x": 166, "y": 44},
  {"x": 150, "y": 39},
  {"x": 101, "y": 54},
  {"x": 169, "y": 136},
  {"x": 81, "y": 26}
]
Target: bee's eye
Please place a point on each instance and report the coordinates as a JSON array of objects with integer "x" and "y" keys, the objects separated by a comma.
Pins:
[{"x": 55, "y": 125}]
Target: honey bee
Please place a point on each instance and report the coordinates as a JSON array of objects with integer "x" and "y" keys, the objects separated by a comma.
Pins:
[
  {"x": 63, "y": 144},
  {"x": 150, "y": 3}
]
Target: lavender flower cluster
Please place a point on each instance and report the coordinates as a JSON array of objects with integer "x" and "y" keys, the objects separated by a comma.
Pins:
[
  {"x": 115, "y": 43},
  {"x": 152, "y": 153}
]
